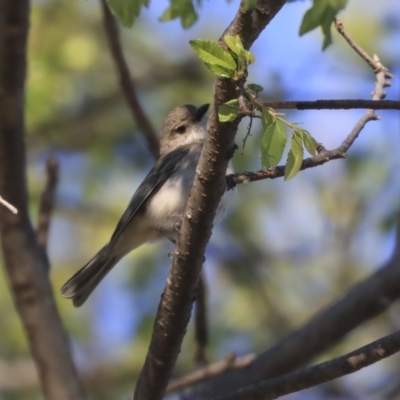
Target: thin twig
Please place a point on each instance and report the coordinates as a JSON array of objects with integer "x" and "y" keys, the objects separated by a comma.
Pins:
[
  {"x": 320, "y": 373},
  {"x": 248, "y": 133},
  {"x": 47, "y": 203},
  {"x": 333, "y": 105},
  {"x": 127, "y": 85},
  {"x": 361, "y": 52},
  {"x": 324, "y": 155},
  {"x": 8, "y": 205},
  {"x": 202, "y": 374}
]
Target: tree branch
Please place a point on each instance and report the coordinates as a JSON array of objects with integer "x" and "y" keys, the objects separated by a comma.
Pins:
[
  {"x": 361, "y": 52},
  {"x": 25, "y": 266},
  {"x": 127, "y": 85},
  {"x": 6, "y": 204},
  {"x": 333, "y": 104},
  {"x": 363, "y": 302},
  {"x": 200, "y": 321},
  {"x": 47, "y": 203},
  {"x": 207, "y": 372},
  {"x": 324, "y": 155},
  {"x": 175, "y": 307},
  {"x": 320, "y": 373}
]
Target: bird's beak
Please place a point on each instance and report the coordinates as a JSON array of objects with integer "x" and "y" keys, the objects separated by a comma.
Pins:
[{"x": 201, "y": 111}]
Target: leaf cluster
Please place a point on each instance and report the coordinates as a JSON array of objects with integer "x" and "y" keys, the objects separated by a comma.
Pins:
[
  {"x": 128, "y": 11},
  {"x": 274, "y": 141},
  {"x": 231, "y": 63},
  {"x": 322, "y": 14}
]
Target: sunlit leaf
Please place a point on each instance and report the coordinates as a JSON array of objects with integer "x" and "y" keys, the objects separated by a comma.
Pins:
[
  {"x": 231, "y": 42},
  {"x": 309, "y": 143},
  {"x": 273, "y": 144},
  {"x": 235, "y": 45},
  {"x": 295, "y": 156},
  {"x": 229, "y": 111},
  {"x": 266, "y": 118},
  {"x": 216, "y": 59}
]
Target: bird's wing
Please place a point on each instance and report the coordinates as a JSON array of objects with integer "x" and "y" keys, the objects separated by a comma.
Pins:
[{"x": 160, "y": 172}]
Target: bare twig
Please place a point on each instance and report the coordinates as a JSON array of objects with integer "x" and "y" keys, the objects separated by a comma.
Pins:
[
  {"x": 127, "y": 85},
  {"x": 8, "y": 205},
  {"x": 228, "y": 363},
  {"x": 361, "y": 52},
  {"x": 248, "y": 132},
  {"x": 200, "y": 321},
  {"x": 327, "y": 155},
  {"x": 320, "y": 373},
  {"x": 47, "y": 203},
  {"x": 333, "y": 104}
]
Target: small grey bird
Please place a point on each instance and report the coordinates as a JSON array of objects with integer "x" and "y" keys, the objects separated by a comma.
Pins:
[{"x": 156, "y": 209}]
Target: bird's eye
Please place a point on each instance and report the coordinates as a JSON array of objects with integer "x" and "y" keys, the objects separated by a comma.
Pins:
[{"x": 181, "y": 129}]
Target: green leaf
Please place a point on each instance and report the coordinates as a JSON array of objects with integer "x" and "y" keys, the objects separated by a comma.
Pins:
[
  {"x": 295, "y": 156},
  {"x": 183, "y": 9},
  {"x": 266, "y": 118},
  {"x": 232, "y": 43},
  {"x": 253, "y": 87},
  {"x": 322, "y": 13},
  {"x": 273, "y": 143},
  {"x": 235, "y": 45},
  {"x": 313, "y": 17},
  {"x": 229, "y": 111},
  {"x": 309, "y": 143},
  {"x": 219, "y": 71},
  {"x": 249, "y": 4},
  {"x": 216, "y": 59},
  {"x": 126, "y": 10}
]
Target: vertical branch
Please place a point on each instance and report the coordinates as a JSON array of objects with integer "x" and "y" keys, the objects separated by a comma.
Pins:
[
  {"x": 26, "y": 268},
  {"x": 200, "y": 321},
  {"x": 47, "y": 203},
  {"x": 126, "y": 82},
  {"x": 175, "y": 307}
]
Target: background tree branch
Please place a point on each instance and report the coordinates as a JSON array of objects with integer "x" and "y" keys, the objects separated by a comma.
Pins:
[
  {"x": 126, "y": 83},
  {"x": 333, "y": 104},
  {"x": 320, "y": 373},
  {"x": 26, "y": 268},
  {"x": 366, "y": 300},
  {"x": 46, "y": 205}
]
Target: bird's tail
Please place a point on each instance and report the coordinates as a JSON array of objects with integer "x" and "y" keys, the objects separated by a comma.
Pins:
[{"x": 81, "y": 285}]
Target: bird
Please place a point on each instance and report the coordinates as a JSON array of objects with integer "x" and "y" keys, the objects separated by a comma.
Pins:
[{"x": 156, "y": 209}]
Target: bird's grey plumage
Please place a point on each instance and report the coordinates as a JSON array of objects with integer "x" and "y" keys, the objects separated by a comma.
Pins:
[{"x": 155, "y": 210}]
